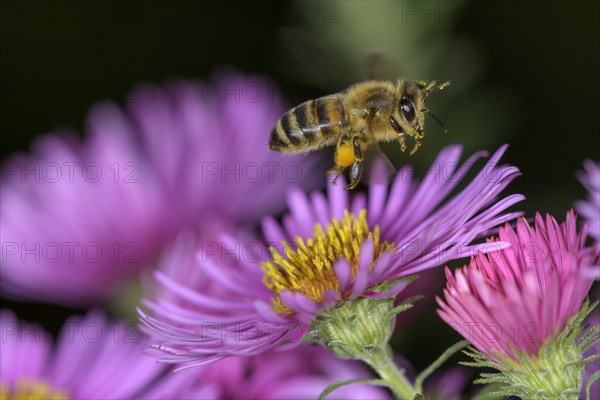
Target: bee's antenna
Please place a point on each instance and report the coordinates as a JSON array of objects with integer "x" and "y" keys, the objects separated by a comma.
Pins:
[
  {"x": 433, "y": 87},
  {"x": 441, "y": 86},
  {"x": 437, "y": 120}
]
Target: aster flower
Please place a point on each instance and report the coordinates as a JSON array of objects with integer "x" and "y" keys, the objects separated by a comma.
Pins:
[
  {"x": 426, "y": 225},
  {"x": 590, "y": 208},
  {"x": 98, "y": 359},
  {"x": 594, "y": 366},
  {"x": 80, "y": 216},
  {"x": 446, "y": 384},
  {"x": 361, "y": 249},
  {"x": 375, "y": 241},
  {"x": 519, "y": 307},
  {"x": 296, "y": 374},
  {"x": 92, "y": 359}
]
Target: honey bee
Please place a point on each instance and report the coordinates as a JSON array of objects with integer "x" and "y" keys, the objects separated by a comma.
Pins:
[{"x": 361, "y": 116}]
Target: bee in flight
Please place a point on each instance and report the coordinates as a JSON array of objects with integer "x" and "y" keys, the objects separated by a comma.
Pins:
[{"x": 361, "y": 116}]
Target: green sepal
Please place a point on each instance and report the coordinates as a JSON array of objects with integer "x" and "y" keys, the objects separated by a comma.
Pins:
[
  {"x": 387, "y": 285},
  {"x": 489, "y": 392},
  {"x": 595, "y": 376},
  {"x": 555, "y": 372},
  {"x": 588, "y": 340},
  {"x": 357, "y": 326}
]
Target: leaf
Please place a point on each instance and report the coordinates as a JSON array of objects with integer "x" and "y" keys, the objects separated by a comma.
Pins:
[
  {"x": 336, "y": 385},
  {"x": 440, "y": 360}
]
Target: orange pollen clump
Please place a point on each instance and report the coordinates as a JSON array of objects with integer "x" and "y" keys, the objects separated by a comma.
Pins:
[{"x": 344, "y": 156}]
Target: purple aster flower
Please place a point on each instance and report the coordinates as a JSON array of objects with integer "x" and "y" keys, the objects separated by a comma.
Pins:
[
  {"x": 593, "y": 367},
  {"x": 447, "y": 384},
  {"x": 79, "y": 216},
  {"x": 428, "y": 226},
  {"x": 518, "y": 307},
  {"x": 227, "y": 306},
  {"x": 92, "y": 359},
  {"x": 590, "y": 208},
  {"x": 443, "y": 384},
  {"x": 295, "y": 374}
]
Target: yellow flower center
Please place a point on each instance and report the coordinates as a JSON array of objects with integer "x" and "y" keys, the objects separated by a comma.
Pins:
[
  {"x": 30, "y": 389},
  {"x": 309, "y": 269}
]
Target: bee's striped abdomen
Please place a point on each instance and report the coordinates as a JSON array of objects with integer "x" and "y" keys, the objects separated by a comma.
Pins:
[{"x": 311, "y": 125}]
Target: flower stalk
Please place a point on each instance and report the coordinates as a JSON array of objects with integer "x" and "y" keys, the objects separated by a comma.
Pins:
[
  {"x": 360, "y": 329},
  {"x": 381, "y": 361}
]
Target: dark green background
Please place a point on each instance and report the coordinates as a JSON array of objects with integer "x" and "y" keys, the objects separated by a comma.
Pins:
[{"x": 59, "y": 58}]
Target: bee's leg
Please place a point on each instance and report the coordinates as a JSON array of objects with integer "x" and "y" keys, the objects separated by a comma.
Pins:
[
  {"x": 349, "y": 153},
  {"x": 417, "y": 145},
  {"x": 402, "y": 140},
  {"x": 356, "y": 169},
  {"x": 357, "y": 147},
  {"x": 355, "y": 173},
  {"x": 418, "y": 135}
]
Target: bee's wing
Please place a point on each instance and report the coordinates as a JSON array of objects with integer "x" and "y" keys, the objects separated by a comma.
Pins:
[
  {"x": 381, "y": 65},
  {"x": 310, "y": 59},
  {"x": 316, "y": 61}
]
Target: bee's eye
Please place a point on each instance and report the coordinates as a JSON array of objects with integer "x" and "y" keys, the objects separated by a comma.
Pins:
[
  {"x": 395, "y": 125},
  {"x": 408, "y": 109}
]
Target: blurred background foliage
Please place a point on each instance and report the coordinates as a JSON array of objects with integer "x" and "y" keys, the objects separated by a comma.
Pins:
[{"x": 524, "y": 73}]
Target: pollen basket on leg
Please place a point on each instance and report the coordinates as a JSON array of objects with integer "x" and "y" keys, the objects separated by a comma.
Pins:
[
  {"x": 344, "y": 155},
  {"x": 308, "y": 269}
]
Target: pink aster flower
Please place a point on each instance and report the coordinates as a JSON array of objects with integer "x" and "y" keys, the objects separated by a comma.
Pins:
[
  {"x": 80, "y": 216},
  {"x": 518, "y": 297},
  {"x": 517, "y": 306},
  {"x": 92, "y": 359},
  {"x": 220, "y": 303},
  {"x": 590, "y": 208}
]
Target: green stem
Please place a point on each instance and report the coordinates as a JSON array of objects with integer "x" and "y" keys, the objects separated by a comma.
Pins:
[
  {"x": 382, "y": 363},
  {"x": 435, "y": 365}
]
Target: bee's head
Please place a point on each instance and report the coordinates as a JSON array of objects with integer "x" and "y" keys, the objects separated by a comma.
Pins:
[{"x": 409, "y": 115}]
